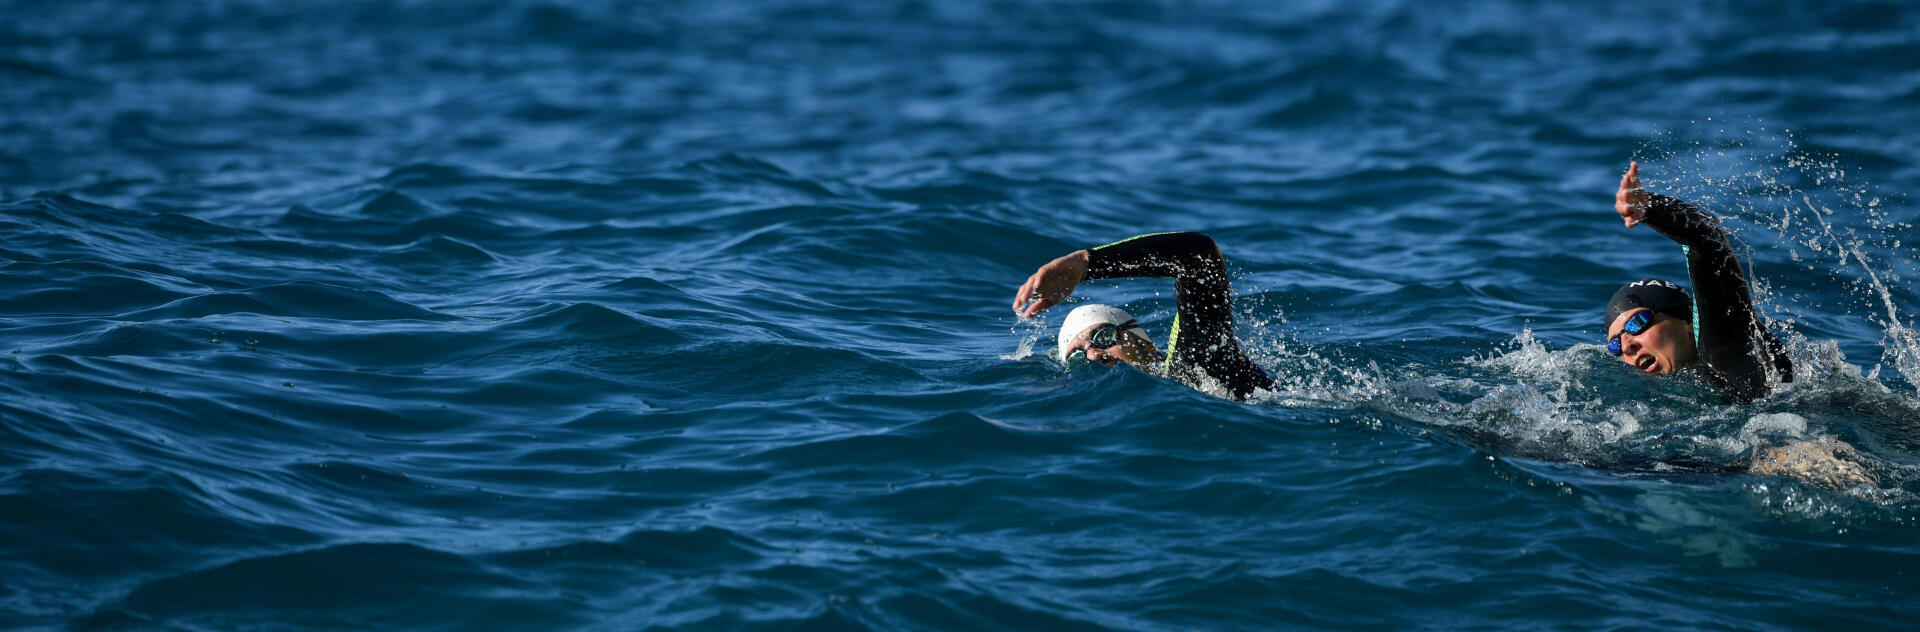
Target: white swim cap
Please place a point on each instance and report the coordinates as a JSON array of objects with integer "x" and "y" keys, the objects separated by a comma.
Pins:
[{"x": 1086, "y": 316}]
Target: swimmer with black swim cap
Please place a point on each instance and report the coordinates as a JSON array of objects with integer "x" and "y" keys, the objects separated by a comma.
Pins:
[
  {"x": 1658, "y": 328},
  {"x": 1658, "y": 337},
  {"x": 1201, "y": 351}
]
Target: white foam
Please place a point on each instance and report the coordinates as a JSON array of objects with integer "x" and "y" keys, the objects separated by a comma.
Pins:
[
  {"x": 1774, "y": 426},
  {"x": 1532, "y": 360}
]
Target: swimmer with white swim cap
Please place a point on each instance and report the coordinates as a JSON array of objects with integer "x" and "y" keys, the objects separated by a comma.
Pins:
[
  {"x": 1201, "y": 350},
  {"x": 1104, "y": 334}
]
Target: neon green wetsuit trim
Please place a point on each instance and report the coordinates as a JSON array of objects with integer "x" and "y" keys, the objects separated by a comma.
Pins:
[{"x": 1130, "y": 239}]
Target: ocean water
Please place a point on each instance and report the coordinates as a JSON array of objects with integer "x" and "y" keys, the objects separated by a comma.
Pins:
[{"x": 694, "y": 315}]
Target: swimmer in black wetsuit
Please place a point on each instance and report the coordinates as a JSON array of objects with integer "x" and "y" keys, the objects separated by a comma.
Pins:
[
  {"x": 1656, "y": 327},
  {"x": 1201, "y": 351}
]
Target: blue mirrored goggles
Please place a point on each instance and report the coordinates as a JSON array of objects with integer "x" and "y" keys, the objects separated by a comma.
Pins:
[{"x": 1636, "y": 324}]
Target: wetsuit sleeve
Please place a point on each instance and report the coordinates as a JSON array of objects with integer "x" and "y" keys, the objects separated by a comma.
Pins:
[
  {"x": 1741, "y": 357},
  {"x": 1202, "y": 337}
]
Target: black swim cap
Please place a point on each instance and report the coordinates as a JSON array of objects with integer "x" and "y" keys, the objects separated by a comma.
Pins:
[{"x": 1654, "y": 294}]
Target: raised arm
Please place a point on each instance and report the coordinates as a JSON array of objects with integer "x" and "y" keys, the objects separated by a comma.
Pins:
[
  {"x": 1742, "y": 354},
  {"x": 1190, "y": 258},
  {"x": 1200, "y": 274}
]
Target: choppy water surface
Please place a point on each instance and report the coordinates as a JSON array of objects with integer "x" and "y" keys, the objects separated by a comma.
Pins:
[{"x": 540, "y": 315}]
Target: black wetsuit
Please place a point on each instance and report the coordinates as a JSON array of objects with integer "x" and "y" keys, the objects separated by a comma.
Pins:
[
  {"x": 1737, "y": 355},
  {"x": 1202, "y": 342}
]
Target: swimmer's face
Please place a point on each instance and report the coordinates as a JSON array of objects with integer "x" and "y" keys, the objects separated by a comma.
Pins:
[
  {"x": 1660, "y": 349},
  {"x": 1128, "y": 347}
]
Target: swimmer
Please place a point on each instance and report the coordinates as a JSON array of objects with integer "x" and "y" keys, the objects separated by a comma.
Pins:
[
  {"x": 1201, "y": 351},
  {"x": 1659, "y": 329}
]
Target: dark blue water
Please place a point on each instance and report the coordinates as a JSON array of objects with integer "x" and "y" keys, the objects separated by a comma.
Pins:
[{"x": 596, "y": 315}]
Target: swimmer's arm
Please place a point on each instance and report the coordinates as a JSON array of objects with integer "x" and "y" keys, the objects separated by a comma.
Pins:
[
  {"x": 1190, "y": 258},
  {"x": 1717, "y": 277},
  {"x": 1159, "y": 255},
  {"x": 1200, "y": 285},
  {"x": 1722, "y": 300},
  {"x": 1689, "y": 226}
]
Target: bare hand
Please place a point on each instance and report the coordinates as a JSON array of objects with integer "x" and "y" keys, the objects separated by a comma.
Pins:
[
  {"x": 1051, "y": 284},
  {"x": 1631, "y": 201},
  {"x": 1825, "y": 462}
]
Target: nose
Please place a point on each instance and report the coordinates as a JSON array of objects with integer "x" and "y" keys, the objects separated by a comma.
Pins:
[
  {"x": 1630, "y": 347},
  {"x": 1102, "y": 356}
]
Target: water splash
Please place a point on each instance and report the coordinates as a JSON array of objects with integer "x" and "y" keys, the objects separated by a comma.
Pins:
[
  {"x": 1302, "y": 373},
  {"x": 1571, "y": 405},
  {"x": 1028, "y": 332},
  {"x": 1783, "y": 203}
]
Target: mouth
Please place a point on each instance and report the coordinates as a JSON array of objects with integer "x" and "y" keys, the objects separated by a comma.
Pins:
[{"x": 1647, "y": 363}]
